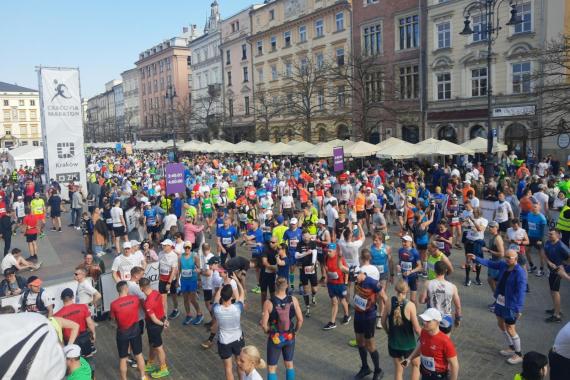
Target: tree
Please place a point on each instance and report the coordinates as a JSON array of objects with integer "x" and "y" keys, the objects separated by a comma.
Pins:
[
  {"x": 552, "y": 86},
  {"x": 130, "y": 128},
  {"x": 183, "y": 119},
  {"x": 266, "y": 107},
  {"x": 373, "y": 94},
  {"x": 207, "y": 111}
]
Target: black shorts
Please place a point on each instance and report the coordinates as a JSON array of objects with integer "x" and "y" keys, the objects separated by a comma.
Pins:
[
  {"x": 152, "y": 229},
  {"x": 154, "y": 334},
  {"x": 31, "y": 237},
  {"x": 309, "y": 278},
  {"x": 361, "y": 215},
  {"x": 288, "y": 213},
  {"x": 55, "y": 213},
  {"x": 421, "y": 247},
  {"x": 535, "y": 242},
  {"x": 412, "y": 283},
  {"x": 267, "y": 282},
  {"x": 162, "y": 287},
  {"x": 399, "y": 353},
  {"x": 119, "y": 231},
  {"x": 370, "y": 211},
  {"x": 208, "y": 295},
  {"x": 83, "y": 340},
  {"x": 554, "y": 281},
  {"x": 503, "y": 226},
  {"x": 130, "y": 337},
  {"x": 227, "y": 350},
  {"x": 366, "y": 327}
]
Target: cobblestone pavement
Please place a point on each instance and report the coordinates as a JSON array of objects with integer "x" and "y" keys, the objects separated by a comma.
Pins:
[{"x": 327, "y": 355}]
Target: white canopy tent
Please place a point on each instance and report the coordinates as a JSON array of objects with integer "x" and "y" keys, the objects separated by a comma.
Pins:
[
  {"x": 279, "y": 149},
  {"x": 396, "y": 149},
  {"x": 479, "y": 145},
  {"x": 360, "y": 149},
  {"x": 300, "y": 148},
  {"x": 325, "y": 150},
  {"x": 434, "y": 147},
  {"x": 25, "y": 156}
]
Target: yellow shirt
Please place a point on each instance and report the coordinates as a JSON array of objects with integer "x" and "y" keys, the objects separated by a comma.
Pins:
[
  {"x": 278, "y": 232},
  {"x": 37, "y": 206}
]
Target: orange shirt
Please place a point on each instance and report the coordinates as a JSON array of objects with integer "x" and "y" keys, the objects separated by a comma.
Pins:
[
  {"x": 465, "y": 190},
  {"x": 359, "y": 202}
]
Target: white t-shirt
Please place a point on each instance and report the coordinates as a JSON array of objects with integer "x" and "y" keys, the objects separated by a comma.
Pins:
[
  {"x": 167, "y": 262},
  {"x": 206, "y": 280},
  {"x": 30, "y": 301},
  {"x": 135, "y": 290},
  {"x": 85, "y": 292},
  {"x": 123, "y": 264},
  {"x": 474, "y": 202},
  {"x": 541, "y": 168},
  {"x": 332, "y": 216},
  {"x": 229, "y": 322},
  {"x": 254, "y": 375},
  {"x": 116, "y": 214},
  {"x": 502, "y": 211},
  {"x": 371, "y": 271},
  {"x": 349, "y": 250},
  {"x": 287, "y": 201},
  {"x": 19, "y": 208},
  {"x": 8, "y": 261},
  {"x": 542, "y": 199},
  {"x": 473, "y": 234}
]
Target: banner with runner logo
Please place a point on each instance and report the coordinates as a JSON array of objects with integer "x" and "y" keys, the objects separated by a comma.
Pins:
[
  {"x": 62, "y": 125},
  {"x": 338, "y": 159},
  {"x": 175, "y": 178}
]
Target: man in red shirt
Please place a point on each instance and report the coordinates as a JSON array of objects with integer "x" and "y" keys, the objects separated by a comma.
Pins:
[
  {"x": 80, "y": 314},
  {"x": 437, "y": 352},
  {"x": 336, "y": 268},
  {"x": 125, "y": 311},
  {"x": 155, "y": 322},
  {"x": 30, "y": 226}
]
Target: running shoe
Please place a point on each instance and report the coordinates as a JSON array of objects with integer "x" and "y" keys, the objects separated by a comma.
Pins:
[
  {"x": 467, "y": 283},
  {"x": 551, "y": 311},
  {"x": 198, "y": 319},
  {"x": 308, "y": 312},
  {"x": 478, "y": 282},
  {"x": 539, "y": 273},
  {"x": 515, "y": 359},
  {"x": 256, "y": 290},
  {"x": 53, "y": 229},
  {"x": 553, "y": 318},
  {"x": 346, "y": 319},
  {"x": 378, "y": 374},
  {"x": 132, "y": 363},
  {"x": 532, "y": 269},
  {"x": 387, "y": 237},
  {"x": 352, "y": 343},
  {"x": 150, "y": 367},
  {"x": 160, "y": 373},
  {"x": 187, "y": 320},
  {"x": 364, "y": 371},
  {"x": 174, "y": 314},
  {"x": 330, "y": 326},
  {"x": 314, "y": 300},
  {"x": 59, "y": 229},
  {"x": 379, "y": 324},
  {"x": 207, "y": 344},
  {"x": 38, "y": 265},
  {"x": 508, "y": 352},
  {"x": 42, "y": 235}
]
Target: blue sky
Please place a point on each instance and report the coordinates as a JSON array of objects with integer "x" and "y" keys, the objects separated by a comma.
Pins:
[{"x": 103, "y": 38}]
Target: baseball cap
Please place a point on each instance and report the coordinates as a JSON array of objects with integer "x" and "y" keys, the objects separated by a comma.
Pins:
[
  {"x": 321, "y": 221},
  {"x": 72, "y": 351},
  {"x": 332, "y": 245},
  {"x": 269, "y": 212},
  {"x": 431, "y": 314},
  {"x": 407, "y": 238},
  {"x": 293, "y": 221},
  {"x": 493, "y": 224},
  {"x": 127, "y": 244},
  {"x": 135, "y": 242},
  {"x": 214, "y": 260},
  {"x": 380, "y": 187},
  {"x": 187, "y": 243},
  {"x": 280, "y": 219},
  {"x": 66, "y": 293},
  {"x": 446, "y": 322},
  {"x": 34, "y": 281},
  {"x": 167, "y": 242}
]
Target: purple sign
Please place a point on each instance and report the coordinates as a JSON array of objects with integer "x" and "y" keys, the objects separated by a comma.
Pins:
[
  {"x": 175, "y": 179},
  {"x": 338, "y": 158}
]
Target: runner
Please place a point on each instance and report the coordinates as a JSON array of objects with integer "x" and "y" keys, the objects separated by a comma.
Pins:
[
  {"x": 536, "y": 224},
  {"x": 189, "y": 265},
  {"x": 38, "y": 207},
  {"x": 381, "y": 258},
  {"x": 474, "y": 244},
  {"x": 249, "y": 361},
  {"x": 497, "y": 251},
  {"x": 292, "y": 237},
  {"x": 306, "y": 258},
  {"x": 337, "y": 270},
  {"x": 410, "y": 266},
  {"x": 122, "y": 264},
  {"x": 168, "y": 275},
  {"x": 80, "y": 314},
  {"x": 556, "y": 254},
  {"x": 277, "y": 320}
]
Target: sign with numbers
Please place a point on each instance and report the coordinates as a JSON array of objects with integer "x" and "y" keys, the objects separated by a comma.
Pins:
[{"x": 175, "y": 178}]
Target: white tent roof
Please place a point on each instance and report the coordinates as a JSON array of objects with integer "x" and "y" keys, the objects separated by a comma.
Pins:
[
  {"x": 243, "y": 146},
  {"x": 260, "y": 146},
  {"x": 361, "y": 149},
  {"x": 27, "y": 152},
  {"x": 389, "y": 142},
  {"x": 440, "y": 147},
  {"x": 324, "y": 150},
  {"x": 279, "y": 149},
  {"x": 396, "y": 150},
  {"x": 479, "y": 145},
  {"x": 300, "y": 148}
]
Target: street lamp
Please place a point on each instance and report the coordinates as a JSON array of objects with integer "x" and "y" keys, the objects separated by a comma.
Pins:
[
  {"x": 489, "y": 9},
  {"x": 170, "y": 95}
]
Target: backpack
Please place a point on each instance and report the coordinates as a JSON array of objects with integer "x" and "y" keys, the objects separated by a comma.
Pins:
[
  {"x": 41, "y": 308},
  {"x": 281, "y": 321}
]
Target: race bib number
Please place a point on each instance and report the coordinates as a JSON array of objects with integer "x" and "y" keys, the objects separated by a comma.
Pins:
[
  {"x": 226, "y": 241},
  {"x": 310, "y": 269},
  {"x": 380, "y": 268},
  {"x": 186, "y": 272},
  {"x": 125, "y": 276},
  {"x": 164, "y": 269},
  {"x": 332, "y": 275},
  {"x": 472, "y": 235},
  {"x": 440, "y": 244},
  {"x": 532, "y": 226},
  {"x": 428, "y": 363},
  {"x": 406, "y": 266},
  {"x": 360, "y": 302},
  {"x": 293, "y": 243},
  {"x": 455, "y": 220},
  {"x": 501, "y": 300}
]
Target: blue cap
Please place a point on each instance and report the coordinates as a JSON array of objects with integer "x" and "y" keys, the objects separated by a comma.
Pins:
[
  {"x": 280, "y": 219},
  {"x": 332, "y": 245}
]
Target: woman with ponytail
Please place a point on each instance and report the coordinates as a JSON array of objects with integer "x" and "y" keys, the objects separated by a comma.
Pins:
[
  {"x": 400, "y": 323},
  {"x": 535, "y": 367},
  {"x": 248, "y": 362}
]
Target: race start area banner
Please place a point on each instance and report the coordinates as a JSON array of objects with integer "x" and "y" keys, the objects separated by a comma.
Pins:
[
  {"x": 175, "y": 178},
  {"x": 60, "y": 101},
  {"x": 338, "y": 159}
]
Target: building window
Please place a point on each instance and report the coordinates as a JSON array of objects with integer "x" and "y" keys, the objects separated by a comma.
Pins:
[
  {"x": 21, "y": 102},
  {"x": 373, "y": 87},
  {"x": 409, "y": 82},
  {"x": 289, "y": 104},
  {"x": 229, "y": 78},
  {"x": 231, "y": 107},
  {"x": 288, "y": 69},
  {"x": 243, "y": 52},
  {"x": 371, "y": 1},
  {"x": 304, "y": 66},
  {"x": 287, "y": 38},
  {"x": 260, "y": 74},
  {"x": 372, "y": 39},
  {"x": 320, "y": 60},
  {"x": 524, "y": 11},
  {"x": 259, "y": 47},
  {"x": 341, "y": 97},
  {"x": 33, "y": 115},
  {"x": 339, "y": 21},
  {"x": 32, "y": 102},
  {"x": 273, "y": 72},
  {"x": 340, "y": 56},
  {"x": 521, "y": 78},
  {"x": 271, "y": 15},
  {"x": 321, "y": 99},
  {"x": 35, "y": 143},
  {"x": 409, "y": 32},
  {"x": 228, "y": 57},
  {"x": 245, "y": 74},
  {"x": 273, "y": 43},
  {"x": 443, "y": 35},
  {"x": 246, "y": 103},
  {"x": 302, "y": 33},
  {"x": 479, "y": 28},
  {"x": 6, "y": 103},
  {"x": 443, "y": 86},
  {"x": 319, "y": 28},
  {"x": 479, "y": 82}
]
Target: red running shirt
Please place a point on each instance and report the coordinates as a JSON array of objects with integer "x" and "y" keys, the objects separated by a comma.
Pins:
[
  {"x": 31, "y": 223},
  {"x": 153, "y": 305},
  {"x": 334, "y": 274},
  {"x": 77, "y": 313},
  {"x": 125, "y": 310},
  {"x": 435, "y": 350}
]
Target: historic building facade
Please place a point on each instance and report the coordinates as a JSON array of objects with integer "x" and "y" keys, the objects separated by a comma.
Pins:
[{"x": 21, "y": 121}]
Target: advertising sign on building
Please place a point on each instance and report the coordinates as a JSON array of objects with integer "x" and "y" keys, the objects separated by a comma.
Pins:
[
  {"x": 60, "y": 101},
  {"x": 175, "y": 178},
  {"x": 338, "y": 159}
]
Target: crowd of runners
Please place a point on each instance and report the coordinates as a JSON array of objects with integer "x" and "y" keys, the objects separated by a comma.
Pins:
[{"x": 305, "y": 229}]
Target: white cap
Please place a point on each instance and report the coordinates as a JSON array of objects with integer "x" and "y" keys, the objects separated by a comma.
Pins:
[
  {"x": 167, "y": 242},
  {"x": 127, "y": 244},
  {"x": 381, "y": 187},
  {"x": 467, "y": 181},
  {"x": 321, "y": 221},
  {"x": 135, "y": 242},
  {"x": 431, "y": 314},
  {"x": 407, "y": 238},
  {"x": 436, "y": 164},
  {"x": 293, "y": 221},
  {"x": 268, "y": 212},
  {"x": 72, "y": 351}
]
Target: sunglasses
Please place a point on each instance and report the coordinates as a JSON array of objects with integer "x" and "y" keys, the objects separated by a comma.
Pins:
[
  {"x": 187, "y": 247},
  {"x": 76, "y": 274}
]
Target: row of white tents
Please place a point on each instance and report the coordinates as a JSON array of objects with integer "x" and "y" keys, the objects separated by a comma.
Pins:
[{"x": 391, "y": 148}]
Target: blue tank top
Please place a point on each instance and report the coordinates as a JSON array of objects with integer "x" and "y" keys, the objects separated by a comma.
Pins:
[
  {"x": 188, "y": 268},
  {"x": 379, "y": 255}
]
